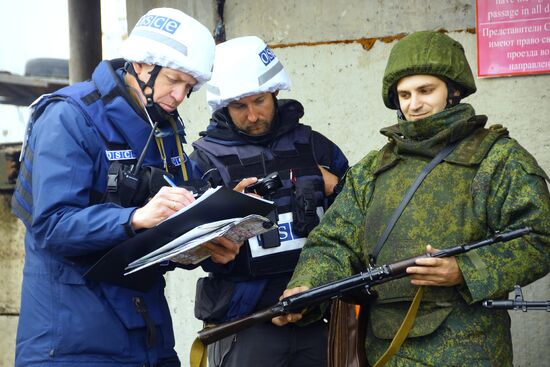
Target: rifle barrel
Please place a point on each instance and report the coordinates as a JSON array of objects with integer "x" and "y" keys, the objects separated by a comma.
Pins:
[{"x": 515, "y": 305}]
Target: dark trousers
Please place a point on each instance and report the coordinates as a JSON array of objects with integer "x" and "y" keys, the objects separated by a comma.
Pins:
[{"x": 267, "y": 345}]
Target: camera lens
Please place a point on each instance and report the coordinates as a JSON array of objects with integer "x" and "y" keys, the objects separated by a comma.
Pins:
[
  {"x": 266, "y": 186},
  {"x": 269, "y": 186}
]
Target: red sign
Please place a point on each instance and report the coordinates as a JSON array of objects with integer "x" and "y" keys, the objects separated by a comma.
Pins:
[{"x": 513, "y": 37}]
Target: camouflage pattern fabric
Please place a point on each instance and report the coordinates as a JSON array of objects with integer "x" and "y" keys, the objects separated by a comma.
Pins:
[{"x": 489, "y": 183}]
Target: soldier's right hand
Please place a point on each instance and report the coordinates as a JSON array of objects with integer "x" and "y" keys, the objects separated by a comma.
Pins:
[
  {"x": 291, "y": 317},
  {"x": 165, "y": 203}
]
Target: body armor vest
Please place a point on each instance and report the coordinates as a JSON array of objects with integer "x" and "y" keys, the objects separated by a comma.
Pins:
[{"x": 301, "y": 196}]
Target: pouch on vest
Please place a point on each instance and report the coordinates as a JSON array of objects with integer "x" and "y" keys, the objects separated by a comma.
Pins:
[
  {"x": 280, "y": 259},
  {"x": 122, "y": 184},
  {"x": 271, "y": 238},
  {"x": 213, "y": 296},
  {"x": 304, "y": 208}
]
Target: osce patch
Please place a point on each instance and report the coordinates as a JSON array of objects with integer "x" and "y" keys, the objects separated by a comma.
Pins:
[
  {"x": 120, "y": 155},
  {"x": 266, "y": 55},
  {"x": 176, "y": 161},
  {"x": 289, "y": 240}
]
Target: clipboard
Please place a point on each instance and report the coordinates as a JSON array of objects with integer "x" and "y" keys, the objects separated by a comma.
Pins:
[{"x": 219, "y": 204}]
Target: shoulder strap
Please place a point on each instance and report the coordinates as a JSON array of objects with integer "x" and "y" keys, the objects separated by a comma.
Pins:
[{"x": 408, "y": 195}]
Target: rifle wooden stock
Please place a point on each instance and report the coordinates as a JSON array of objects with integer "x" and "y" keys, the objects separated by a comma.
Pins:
[
  {"x": 211, "y": 334},
  {"x": 339, "y": 288}
]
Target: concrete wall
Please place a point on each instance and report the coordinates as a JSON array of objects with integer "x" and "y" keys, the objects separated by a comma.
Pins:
[{"x": 335, "y": 52}]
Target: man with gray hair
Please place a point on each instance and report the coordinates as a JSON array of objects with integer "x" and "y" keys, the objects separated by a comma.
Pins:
[{"x": 92, "y": 159}]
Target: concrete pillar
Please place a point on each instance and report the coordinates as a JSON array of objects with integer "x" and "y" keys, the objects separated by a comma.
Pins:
[{"x": 84, "y": 38}]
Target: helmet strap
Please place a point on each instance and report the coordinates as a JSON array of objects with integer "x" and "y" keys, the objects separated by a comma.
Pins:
[
  {"x": 395, "y": 99},
  {"x": 453, "y": 98},
  {"x": 400, "y": 114},
  {"x": 154, "y": 112},
  {"x": 150, "y": 84},
  {"x": 153, "y": 74}
]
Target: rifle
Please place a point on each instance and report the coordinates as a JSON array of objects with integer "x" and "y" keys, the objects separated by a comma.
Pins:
[
  {"x": 517, "y": 303},
  {"x": 339, "y": 288}
]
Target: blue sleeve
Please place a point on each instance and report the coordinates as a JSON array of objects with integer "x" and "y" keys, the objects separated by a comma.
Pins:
[
  {"x": 340, "y": 163},
  {"x": 68, "y": 165},
  {"x": 329, "y": 154},
  {"x": 193, "y": 167}
]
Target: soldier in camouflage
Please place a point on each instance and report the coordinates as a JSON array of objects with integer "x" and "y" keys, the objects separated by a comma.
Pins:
[{"x": 488, "y": 183}]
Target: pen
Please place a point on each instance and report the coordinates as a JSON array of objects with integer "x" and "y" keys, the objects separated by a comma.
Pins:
[
  {"x": 171, "y": 183},
  {"x": 169, "y": 180}
]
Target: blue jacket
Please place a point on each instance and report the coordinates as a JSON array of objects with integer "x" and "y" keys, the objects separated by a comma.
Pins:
[{"x": 64, "y": 319}]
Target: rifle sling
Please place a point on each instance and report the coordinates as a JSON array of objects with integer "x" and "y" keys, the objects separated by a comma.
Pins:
[
  {"x": 403, "y": 330},
  {"x": 408, "y": 196},
  {"x": 199, "y": 354}
]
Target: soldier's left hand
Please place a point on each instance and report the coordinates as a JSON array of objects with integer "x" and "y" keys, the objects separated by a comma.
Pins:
[
  {"x": 222, "y": 250},
  {"x": 433, "y": 271}
]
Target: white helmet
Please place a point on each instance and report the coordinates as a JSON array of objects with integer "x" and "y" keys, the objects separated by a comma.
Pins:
[
  {"x": 170, "y": 38},
  {"x": 243, "y": 67}
]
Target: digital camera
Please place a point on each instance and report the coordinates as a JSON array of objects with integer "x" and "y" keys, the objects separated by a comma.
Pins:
[{"x": 266, "y": 186}]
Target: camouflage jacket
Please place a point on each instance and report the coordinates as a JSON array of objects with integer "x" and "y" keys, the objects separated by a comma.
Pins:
[{"x": 488, "y": 183}]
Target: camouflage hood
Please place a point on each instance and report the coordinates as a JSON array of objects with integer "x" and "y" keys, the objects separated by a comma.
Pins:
[{"x": 430, "y": 53}]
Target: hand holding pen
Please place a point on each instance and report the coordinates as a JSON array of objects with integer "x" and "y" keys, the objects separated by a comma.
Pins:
[
  {"x": 169, "y": 181},
  {"x": 173, "y": 184},
  {"x": 166, "y": 202}
]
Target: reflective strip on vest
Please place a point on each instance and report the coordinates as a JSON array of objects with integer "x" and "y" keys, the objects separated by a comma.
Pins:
[{"x": 289, "y": 240}]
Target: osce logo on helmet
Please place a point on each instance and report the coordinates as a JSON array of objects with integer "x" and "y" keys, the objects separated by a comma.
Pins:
[
  {"x": 159, "y": 22},
  {"x": 266, "y": 55}
]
